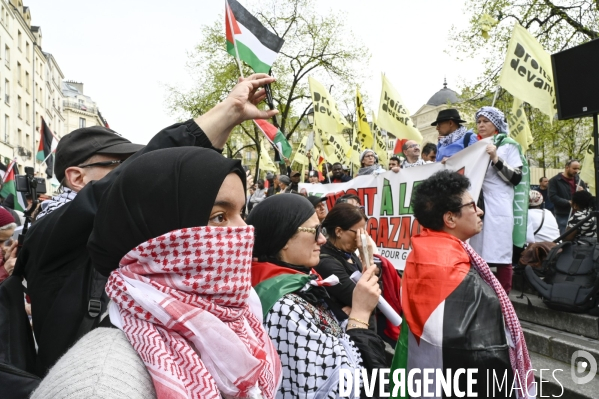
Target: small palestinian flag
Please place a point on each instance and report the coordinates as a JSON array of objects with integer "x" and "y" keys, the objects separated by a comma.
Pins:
[
  {"x": 45, "y": 148},
  {"x": 275, "y": 136},
  {"x": 399, "y": 146},
  {"x": 272, "y": 282},
  {"x": 248, "y": 39},
  {"x": 452, "y": 319},
  {"x": 9, "y": 187}
]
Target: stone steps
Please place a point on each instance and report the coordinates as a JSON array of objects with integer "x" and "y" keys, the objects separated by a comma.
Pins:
[
  {"x": 536, "y": 312},
  {"x": 557, "y": 380}
]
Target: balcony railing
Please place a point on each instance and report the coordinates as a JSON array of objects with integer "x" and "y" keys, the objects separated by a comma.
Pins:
[{"x": 82, "y": 107}]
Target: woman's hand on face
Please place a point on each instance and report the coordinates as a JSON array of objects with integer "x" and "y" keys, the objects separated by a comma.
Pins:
[
  {"x": 492, "y": 151},
  {"x": 366, "y": 295}
]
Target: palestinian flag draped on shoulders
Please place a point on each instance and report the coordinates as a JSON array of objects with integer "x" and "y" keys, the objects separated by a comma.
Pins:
[{"x": 248, "y": 39}]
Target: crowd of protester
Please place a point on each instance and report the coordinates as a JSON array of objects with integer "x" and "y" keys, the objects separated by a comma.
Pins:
[{"x": 165, "y": 271}]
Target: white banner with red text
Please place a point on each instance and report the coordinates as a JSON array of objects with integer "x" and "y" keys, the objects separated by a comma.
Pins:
[{"x": 387, "y": 198}]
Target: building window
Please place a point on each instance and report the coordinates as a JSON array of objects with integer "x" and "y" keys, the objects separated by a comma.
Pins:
[
  {"x": 6, "y": 126},
  {"x": 6, "y": 91},
  {"x": 27, "y": 50},
  {"x": 27, "y": 81},
  {"x": 7, "y": 55},
  {"x": 19, "y": 106},
  {"x": 19, "y": 72},
  {"x": 81, "y": 122},
  {"x": 19, "y": 137},
  {"x": 19, "y": 40},
  {"x": 27, "y": 112}
]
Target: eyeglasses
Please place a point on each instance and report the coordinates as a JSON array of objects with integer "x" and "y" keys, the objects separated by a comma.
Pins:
[
  {"x": 317, "y": 231},
  {"x": 412, "y": 146},
  {"x": 369, "y": 156},
  {"x": 103, "y": 163},
  {"x": 473, "y": 203}
]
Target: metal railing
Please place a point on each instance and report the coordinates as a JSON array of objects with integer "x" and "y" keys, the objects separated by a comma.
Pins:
[{"x": 82, "y": 107}]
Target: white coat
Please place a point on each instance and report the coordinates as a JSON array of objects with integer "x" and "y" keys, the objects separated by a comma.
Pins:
[{"x": 494, "y": 243}]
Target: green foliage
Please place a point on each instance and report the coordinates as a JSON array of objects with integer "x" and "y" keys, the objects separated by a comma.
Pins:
[
  {"x": 557, "y": 25},
  {"x": 316, "y": 44}
]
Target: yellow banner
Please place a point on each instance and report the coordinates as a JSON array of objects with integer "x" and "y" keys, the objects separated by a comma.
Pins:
[
  {"x": 380, "y": 144},
  {"x": 364, "y": 133},
  {"x": 300, "y": 155},
  {"x": 587, "y": 171},
  {"x": 518, "y": 123},
  {"x": 394, "y": 117},
  {"x": 527, "y": 72},
  {"x": 355, "y": 149},
  {"x": 265, "y": 162}
]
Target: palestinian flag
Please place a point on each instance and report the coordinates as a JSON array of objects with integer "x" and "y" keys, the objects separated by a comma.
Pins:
[
  {"x": 248, "y": 39},
  {"x": 272, "y": 282},
  {"x": 399, "y": 146},
  {"x": 9, "y": 188},
  {"x": 451, "y": 318},
  {"x": 45, "y": 148},
  {"x": 275, "y": 136}
]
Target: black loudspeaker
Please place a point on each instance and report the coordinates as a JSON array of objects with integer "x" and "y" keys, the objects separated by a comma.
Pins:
[{"x": 576, "y": 76}]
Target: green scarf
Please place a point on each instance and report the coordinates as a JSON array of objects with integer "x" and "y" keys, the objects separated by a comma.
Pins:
[{"x": 521, "y": 192}]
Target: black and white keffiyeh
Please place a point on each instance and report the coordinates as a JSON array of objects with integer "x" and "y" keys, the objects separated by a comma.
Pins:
[
  {"x": 313, "y": 348},
  {"x": 453, "y": 136},
  {"x": 405, "y": 164},
  {"x": 495, "y": 116},
  {"x": 56, "y": 202}
]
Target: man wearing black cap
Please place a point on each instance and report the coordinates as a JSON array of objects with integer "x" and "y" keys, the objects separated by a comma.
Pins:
[
  {"x": 67, "y": 294},
  {"x": 453, "y": 137},
  {"x": 319, "y": 206},
  {"x": 295, "y": 179}
]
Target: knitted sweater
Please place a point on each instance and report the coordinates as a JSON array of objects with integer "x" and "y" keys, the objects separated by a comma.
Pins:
[{"x": 102, "y": 364}]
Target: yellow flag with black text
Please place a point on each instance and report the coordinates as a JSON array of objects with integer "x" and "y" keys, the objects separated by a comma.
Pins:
[
  {"x": 394, "y": 117},
  {"x": 380, "y": 143},
  {"x": 266, "y": 162},
  {"x": 518, "y": 123},
  {"x": 300, "y": 155},
  {"x": 328, "y": 123},
  {"x": 364, "y": 133},
  {"x": 527, "y": 72}
]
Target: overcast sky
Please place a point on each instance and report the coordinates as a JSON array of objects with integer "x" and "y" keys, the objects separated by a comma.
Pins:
[{"x": 125, "y": 52}]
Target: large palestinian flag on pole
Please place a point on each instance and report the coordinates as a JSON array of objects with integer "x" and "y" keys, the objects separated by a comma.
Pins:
[
  {"x": 9, "y": 187},
  {"x": 451, "y": 318},
  {"x": 44, "y": 150},
  {"x": 248, "y": 39}
]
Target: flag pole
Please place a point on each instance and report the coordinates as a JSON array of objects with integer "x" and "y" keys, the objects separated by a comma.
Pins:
[
  {"x": 496, "y": 95},
  {"x": 233, "y": 36},
  {"x": 49, "y": 155}
]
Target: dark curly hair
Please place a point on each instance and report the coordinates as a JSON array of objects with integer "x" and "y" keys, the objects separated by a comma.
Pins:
[
  {"x": 583, "y": 199},
  {"x": 342, "y": 215},
  {"x": 437, "y": 195},
  {"x": 428, "y": 148}
]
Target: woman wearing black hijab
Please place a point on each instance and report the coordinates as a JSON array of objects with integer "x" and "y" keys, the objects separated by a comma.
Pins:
[
  {"x": 314, "y": 339},
  {"x": 170, "y": 234}
]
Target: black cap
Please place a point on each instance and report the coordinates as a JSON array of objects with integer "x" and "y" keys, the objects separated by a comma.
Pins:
[
  {"x": 82, "y": 144},
  {"x": 315, "y": 200},
  {"x": 448, "y": 115}
]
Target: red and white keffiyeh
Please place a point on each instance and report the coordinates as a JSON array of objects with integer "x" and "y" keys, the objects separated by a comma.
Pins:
[
  {"x": 182, "y": 301},
  {"x": 519, "y": 359}
]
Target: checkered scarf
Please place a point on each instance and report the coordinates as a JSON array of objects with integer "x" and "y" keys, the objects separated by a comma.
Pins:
[
  {"x": 453, "y": 136},
  {"x": 519, "y": 359},
  {"x": 495, "y": 116},
  {"x": 56, "y": 202},
  {"x": 182, "y": 300}
]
